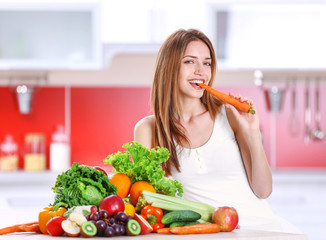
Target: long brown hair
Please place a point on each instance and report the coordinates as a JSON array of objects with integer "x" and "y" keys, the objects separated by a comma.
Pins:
[{"x": 164, "y": 93}]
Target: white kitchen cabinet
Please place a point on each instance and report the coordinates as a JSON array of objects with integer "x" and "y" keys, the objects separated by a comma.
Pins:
[
  {"x": 149, "y": 21},
  {"x": 50, "y": 35},
  {"x": 266, "y": 35}
]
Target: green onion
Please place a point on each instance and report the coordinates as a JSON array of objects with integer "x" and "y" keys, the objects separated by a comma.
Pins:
[{"x": 174, "y": 203}]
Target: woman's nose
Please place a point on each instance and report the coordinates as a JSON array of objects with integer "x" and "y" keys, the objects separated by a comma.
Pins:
[{"x": 199, "y": 69}]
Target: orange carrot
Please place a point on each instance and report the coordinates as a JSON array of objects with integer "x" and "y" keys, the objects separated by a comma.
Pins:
[
  {"x": 243, "y": 106},
  {"x": 197, "y": 229},
  {"x": 16, "y": 228},
  {"x": 30, "y": 228},
  {"x": 164, "y": 230},
  {"x": 11, "y": 229}
]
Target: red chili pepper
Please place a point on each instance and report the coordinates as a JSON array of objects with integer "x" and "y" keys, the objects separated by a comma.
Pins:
[{"x": 153, "y": 215}]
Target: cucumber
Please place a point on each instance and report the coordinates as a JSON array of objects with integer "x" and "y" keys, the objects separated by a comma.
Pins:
[
  {"x": 180, "y": 216},
  {"x": 177, "y": 224},
  {"x": 180, "y": 224},
  {"x": 191, "y": 223}
]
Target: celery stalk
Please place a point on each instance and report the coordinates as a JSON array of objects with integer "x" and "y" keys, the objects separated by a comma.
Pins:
[{"x": 173, "y": 203}]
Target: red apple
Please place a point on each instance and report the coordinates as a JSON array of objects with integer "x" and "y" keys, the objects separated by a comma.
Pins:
[
  {"x": 70, "y": 228},
  {"x": 144, "y": 225},
  {"x": 113, "y": 204},
  {"x": 226, "y": 217}
]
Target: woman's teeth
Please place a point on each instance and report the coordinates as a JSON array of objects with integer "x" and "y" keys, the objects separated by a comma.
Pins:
[{"x": 196, "y": 81}]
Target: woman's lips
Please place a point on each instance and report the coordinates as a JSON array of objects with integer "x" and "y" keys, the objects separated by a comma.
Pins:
[{"x": 194, "y": 83}]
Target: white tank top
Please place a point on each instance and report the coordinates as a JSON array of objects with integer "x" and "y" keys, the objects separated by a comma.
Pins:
[{"x": 214, "y": 174}]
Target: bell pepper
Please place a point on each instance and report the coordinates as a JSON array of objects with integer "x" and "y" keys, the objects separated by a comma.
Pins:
[
  {"x": 49, "y": 212},
  {"x": 153, "y": 215}
]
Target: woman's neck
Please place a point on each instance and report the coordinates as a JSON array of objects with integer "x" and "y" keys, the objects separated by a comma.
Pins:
[{"x": 191, "y": 108}]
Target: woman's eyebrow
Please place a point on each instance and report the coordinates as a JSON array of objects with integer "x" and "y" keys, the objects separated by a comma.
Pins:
[{"x": 208, "y": 58}]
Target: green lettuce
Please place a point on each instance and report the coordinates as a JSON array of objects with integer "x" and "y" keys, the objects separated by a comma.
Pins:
[
  {"x": 141, "y": 164},
  {"x": 82, "y": 185}
]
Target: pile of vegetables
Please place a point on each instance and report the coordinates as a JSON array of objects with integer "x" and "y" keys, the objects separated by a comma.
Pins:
[
  {"x": 82, "y": 185},
  {"x": 141, "y": 164}
]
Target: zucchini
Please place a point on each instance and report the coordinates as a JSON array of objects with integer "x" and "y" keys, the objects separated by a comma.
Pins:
[{"x": 180, "y": 216}]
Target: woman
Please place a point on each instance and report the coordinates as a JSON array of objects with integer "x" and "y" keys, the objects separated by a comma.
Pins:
[{"x": 216, "y": 151}]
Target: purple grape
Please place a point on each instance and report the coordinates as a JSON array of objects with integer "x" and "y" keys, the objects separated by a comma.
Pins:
[
  {"x": 108, "y": 232},
  {"x": 103, "y": 214},
  {"x": 93, "y": 221},
  {"x": 99, "y": 233},
  {"x": 112, "y": 221},
  {"x": 93, "y": 209},
  {"x": 101, "y": 225},
  {"x": 116, "y": 229},
  {"x": 122, "y": 229},
  {"x": 94, "y": 216},
  {"x": 122, "y": 217},
  {"x": 88, "y": 217},
  {"x": 128, "y": 218}
]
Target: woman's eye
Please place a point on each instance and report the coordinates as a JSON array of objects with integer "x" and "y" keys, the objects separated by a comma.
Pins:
[
  {"x": 207, "y": 64},
  {"x": 189, "y": 61}
]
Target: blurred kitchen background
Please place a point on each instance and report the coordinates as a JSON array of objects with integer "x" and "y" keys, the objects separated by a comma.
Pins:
[{"x": 75, "y": 77}]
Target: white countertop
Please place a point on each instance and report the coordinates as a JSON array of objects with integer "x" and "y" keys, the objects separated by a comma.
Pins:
[{"x": 237, "y": 234}]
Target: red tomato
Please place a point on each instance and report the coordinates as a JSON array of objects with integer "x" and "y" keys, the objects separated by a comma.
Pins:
[
  {"x": 53, "y": 226},
  {"x": 100, "y": 169},
  {"x": 113, "y": 204}
]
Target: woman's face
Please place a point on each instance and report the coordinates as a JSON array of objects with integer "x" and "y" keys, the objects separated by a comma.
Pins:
[{"x": 195, "y": 68}]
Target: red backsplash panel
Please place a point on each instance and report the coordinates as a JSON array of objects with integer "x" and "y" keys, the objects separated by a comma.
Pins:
[
  {"x": 47, "y": 112},
  {"x": 103, "y": 118}
]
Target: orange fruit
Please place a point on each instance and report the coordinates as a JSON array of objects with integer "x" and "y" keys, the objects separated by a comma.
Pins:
[
  {"x": 130, "y": 209},
  {"x": 137, "y": 188},
  {"x": 123, "y": 184}
]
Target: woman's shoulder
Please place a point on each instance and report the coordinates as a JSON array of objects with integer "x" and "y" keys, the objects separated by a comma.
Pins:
[
  {"x": 144, "y": 131},
  {"x": 146, "y": 122}
]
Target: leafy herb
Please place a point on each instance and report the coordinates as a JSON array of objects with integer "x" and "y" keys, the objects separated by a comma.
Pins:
[
  {"x": 82, "y": 185},
  {"x": 141, "y": 164}
]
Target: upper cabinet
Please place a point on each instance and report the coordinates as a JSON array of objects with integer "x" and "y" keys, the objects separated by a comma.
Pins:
[
  {"x": 50, "y": 35},
  {"x": 265, "y": 35},
  {"x": 87, "y": 34}
]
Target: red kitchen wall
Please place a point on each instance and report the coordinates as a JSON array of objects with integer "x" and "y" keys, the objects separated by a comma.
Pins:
[
  {"x": 47, "y": 113},
  {"x": 102, "y": 119}
]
